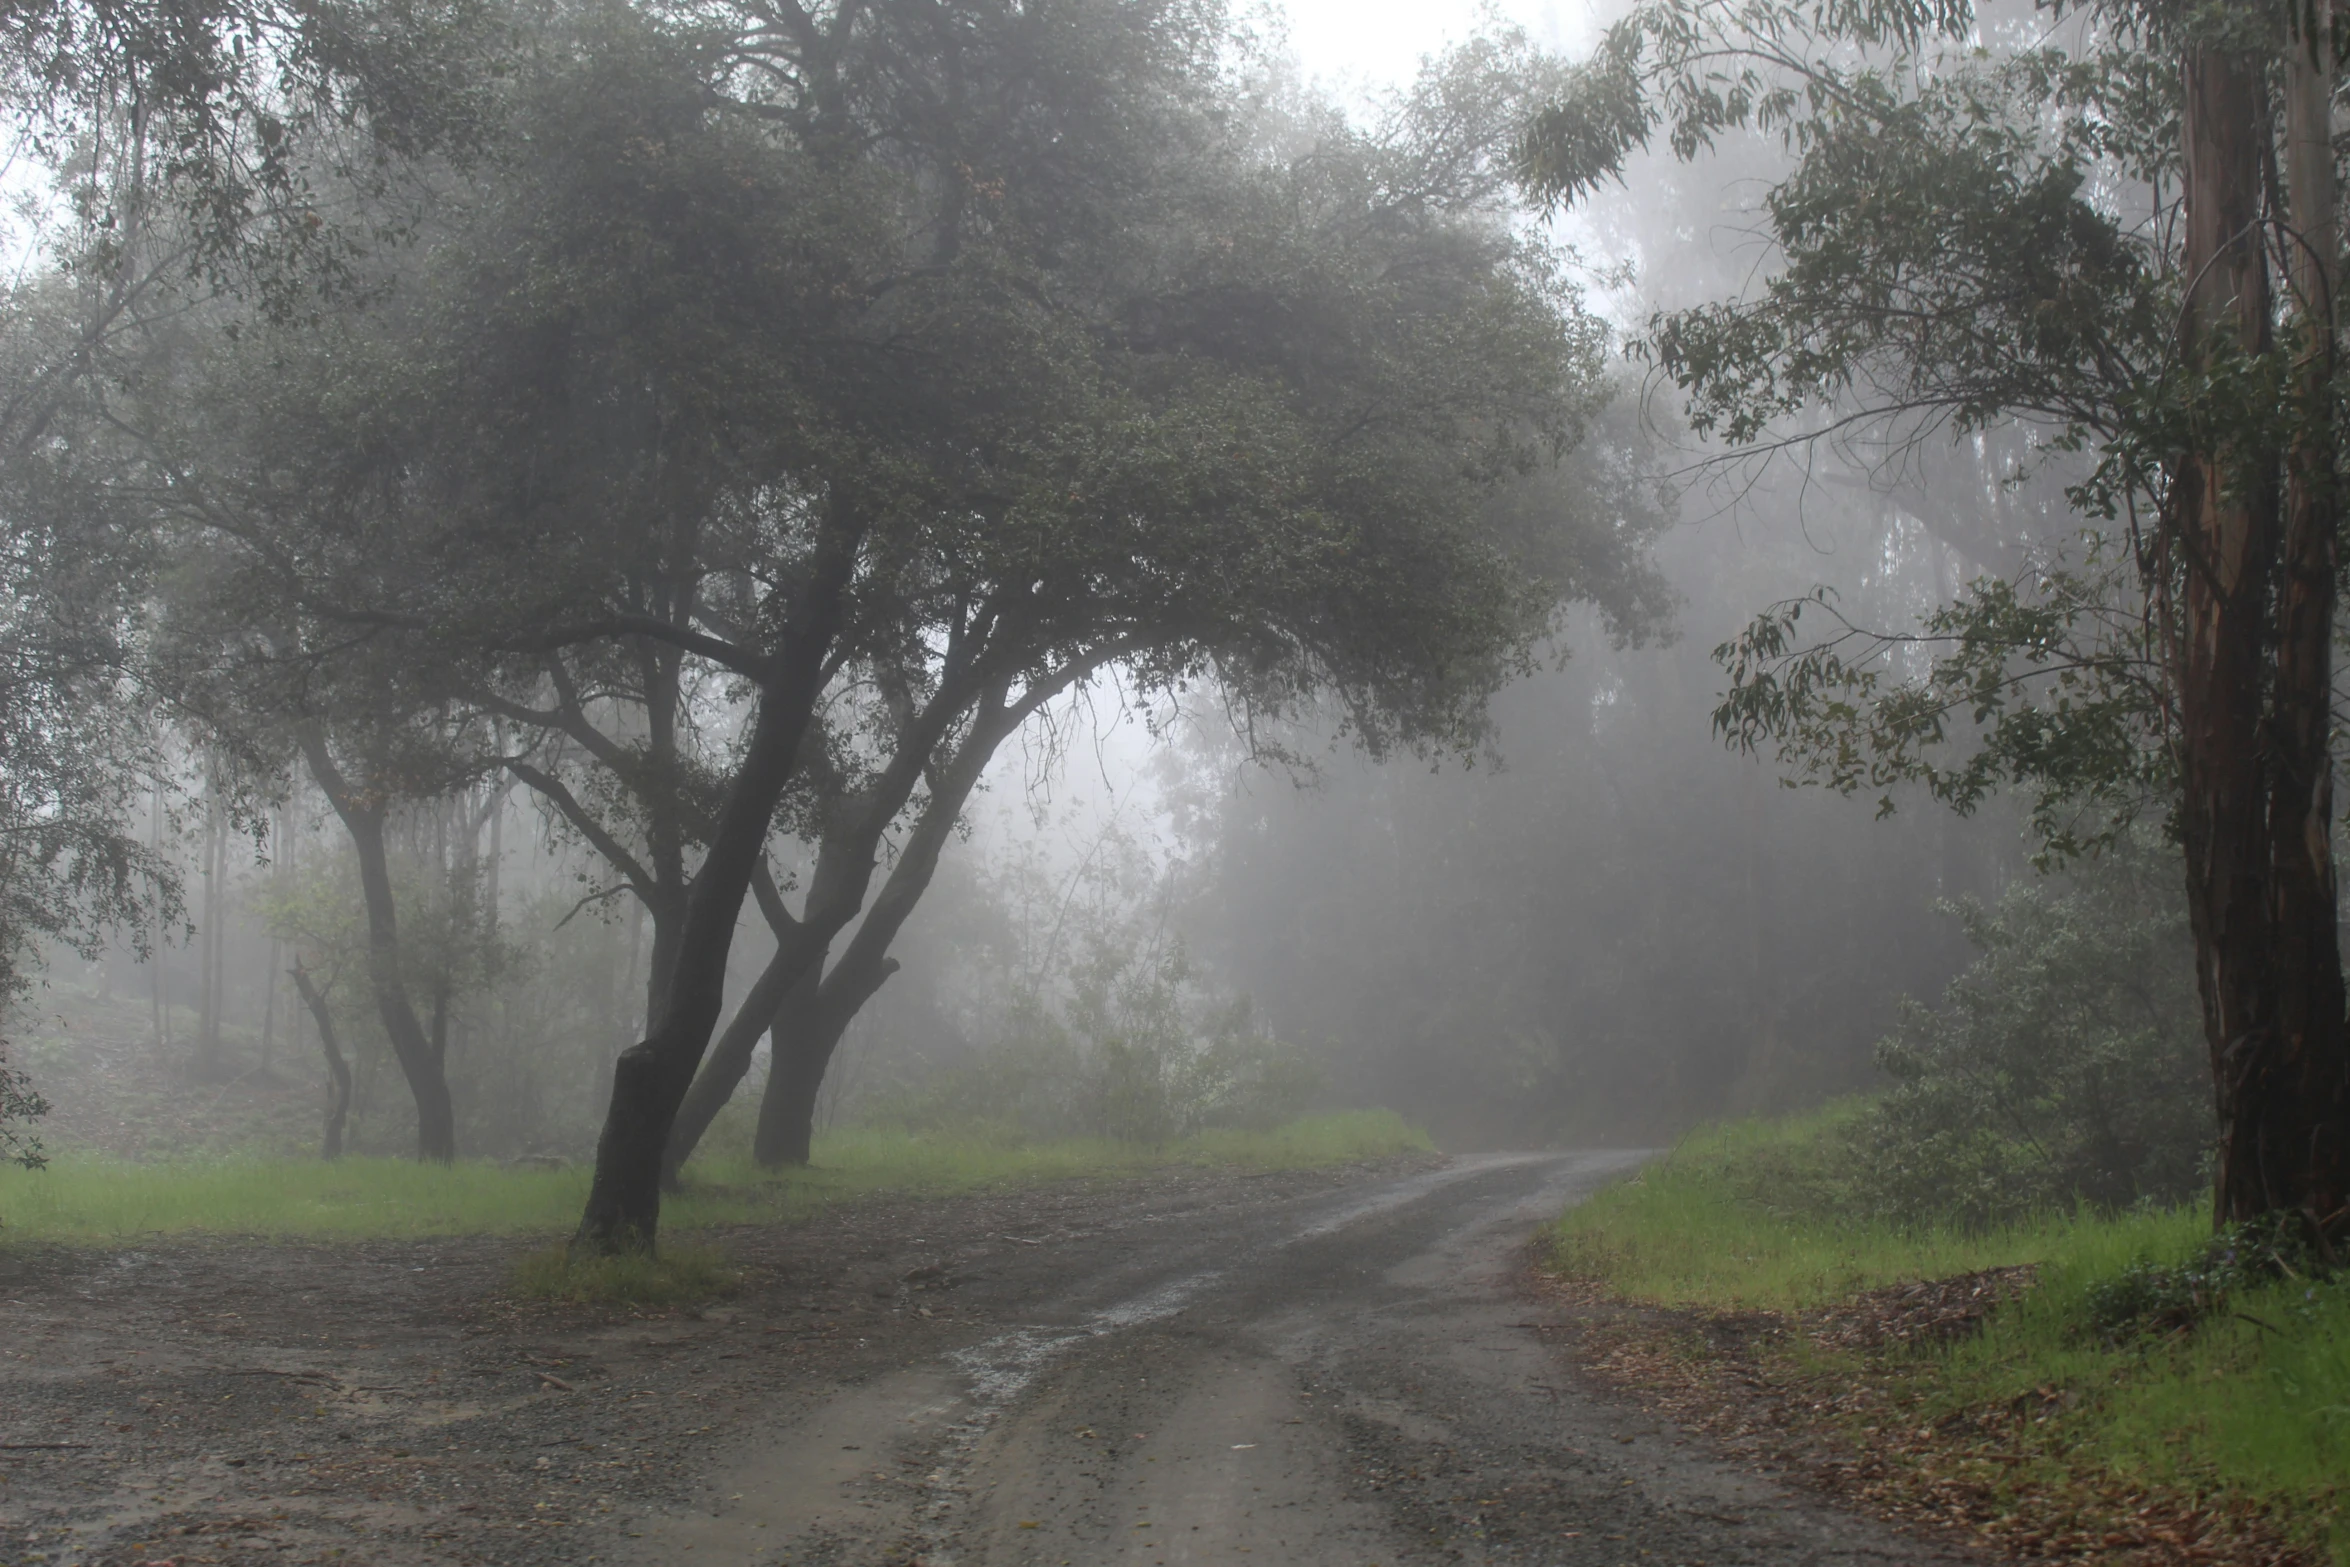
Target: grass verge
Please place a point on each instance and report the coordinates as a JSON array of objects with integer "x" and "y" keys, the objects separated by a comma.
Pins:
[
  {"x": 2042, "y": 1429},
  {"x": 680, "y": 1276},
  {"x": 84, "y": 1200}
]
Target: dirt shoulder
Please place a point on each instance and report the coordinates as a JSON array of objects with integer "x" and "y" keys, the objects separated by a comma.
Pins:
[
  {"x": 1837, "y": 1401},
  {"x": 216, "y": 1402}
]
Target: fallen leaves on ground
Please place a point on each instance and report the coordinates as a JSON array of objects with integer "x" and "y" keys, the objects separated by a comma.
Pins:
[{"x": 1827, "y": 1396}]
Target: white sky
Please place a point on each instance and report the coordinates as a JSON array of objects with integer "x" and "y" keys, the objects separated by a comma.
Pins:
[{"x": 1377, "y": 43}]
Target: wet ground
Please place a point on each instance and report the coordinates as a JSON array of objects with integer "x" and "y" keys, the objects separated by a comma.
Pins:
[{"x": 1330, "y": 1367}]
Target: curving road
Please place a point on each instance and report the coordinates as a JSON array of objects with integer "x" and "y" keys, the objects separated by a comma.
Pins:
[{"x": 1342, "y": 1377}]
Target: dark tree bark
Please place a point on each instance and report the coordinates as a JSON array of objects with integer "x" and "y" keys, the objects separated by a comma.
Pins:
[
  {"x": 844, "y": 871},
  {"x": 803, "y": 1044},
  {"x": 836, "y": 892},
  {"x": 650, "y": 1079},
  {"x": 338, "y": 1105},
  {"x": 2289, "y": 1141},
  {"x": 771, "y": 999},
  {"x": 794, "y": 967},
  {"x": 420, "y": 1061},
  {"x": 2255, "y": 772},
  {"x": 789, "y": 979}
]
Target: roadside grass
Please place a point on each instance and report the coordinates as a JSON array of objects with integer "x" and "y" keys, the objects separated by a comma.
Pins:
[
  {"x": 1755, "y": 1215},
  {"x": 681, "y": 1275},
  {"x": 80, "y": 1199},
  {"x": 2249, "y": 1409}
]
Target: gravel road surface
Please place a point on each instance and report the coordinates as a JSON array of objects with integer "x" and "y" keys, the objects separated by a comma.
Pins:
[{"x": 1304, "y": 1369}]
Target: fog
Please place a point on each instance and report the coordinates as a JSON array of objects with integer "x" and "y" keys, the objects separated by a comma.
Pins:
[{"x": 1585, "y": 920}]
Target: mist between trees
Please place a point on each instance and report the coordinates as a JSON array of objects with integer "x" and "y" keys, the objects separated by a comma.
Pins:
[{"x": 593, "y": 584}]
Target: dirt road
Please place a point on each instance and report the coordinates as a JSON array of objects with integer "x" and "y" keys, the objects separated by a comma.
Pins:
[{"x": 1332, "y": 1368}]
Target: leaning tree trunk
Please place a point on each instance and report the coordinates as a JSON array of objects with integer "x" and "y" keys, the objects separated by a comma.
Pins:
[
  {"x": 844, "y": 870},
  {"x": 2255, "y": 791},
  {"x": 650, "y": 1079},
  {"x": 802, "y": 1043},
  {"x": 775, "y": 993},
  {"x": 338, "y": 1107},
  {"x": 420, "y": 1061}
]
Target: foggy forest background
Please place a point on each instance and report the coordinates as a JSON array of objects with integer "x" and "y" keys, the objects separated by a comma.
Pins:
[{"x": 1594, "y": 925}]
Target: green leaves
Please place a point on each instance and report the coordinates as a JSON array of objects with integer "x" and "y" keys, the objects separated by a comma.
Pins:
[
  {"x": 1946, "y": 261},
  {"x": 2046, "y": 682},
  {"x": 20, "y": 1105},
  {"x": 1960, "y": 240},
  {"x": 1581, "y": 141}
]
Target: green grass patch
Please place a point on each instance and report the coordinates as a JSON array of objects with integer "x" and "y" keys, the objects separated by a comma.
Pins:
[
  {"x": 680, "y": 1276},
  {"x": 83, "y": 1199},
  {"x": 1756, "y": 1216},
  {"x": 2250, "y": 1406}
]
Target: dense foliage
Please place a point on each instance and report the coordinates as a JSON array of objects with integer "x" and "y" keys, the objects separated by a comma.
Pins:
[
  {"x": 724, "y": 431},
  {"x": 2064, "y": 1066},
  {"x": 2118, "y": 230},
  {"x": 20, "y": 1106}
]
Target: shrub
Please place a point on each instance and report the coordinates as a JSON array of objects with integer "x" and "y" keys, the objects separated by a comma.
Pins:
[
  {"x": 20, "y": 1106},
  {"x": 2149, "y": 1297},
  {"x": 1142, "y": 1052},
  {"x": 2064, "y": 1066}
]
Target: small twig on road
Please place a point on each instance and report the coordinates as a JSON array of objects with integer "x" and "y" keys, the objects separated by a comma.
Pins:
[
  {"x": 44, "y": 1447},
  {"x": 265, "y": 1371}
]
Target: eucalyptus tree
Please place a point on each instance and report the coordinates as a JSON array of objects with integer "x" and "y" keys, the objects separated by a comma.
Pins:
[{"x": 2122, "y": 233}]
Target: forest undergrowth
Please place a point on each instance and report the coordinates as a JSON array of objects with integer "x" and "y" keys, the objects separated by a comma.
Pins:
[
  {"x": 88, "y": 1199},
  {"x": 2120, "y": 1388}
]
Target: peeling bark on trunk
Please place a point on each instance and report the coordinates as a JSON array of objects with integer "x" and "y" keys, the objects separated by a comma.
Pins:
[
  {"x": 2288, "y": 1130},
  {"x": 2252, "y": 644}
]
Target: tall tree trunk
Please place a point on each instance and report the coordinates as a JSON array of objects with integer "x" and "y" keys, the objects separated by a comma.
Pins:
[
  {"x": 2256, "y": 790},
  {"x": 803, "y": 1044},
  {"x": 269, "y": 1004},
  {"x": 155, "y": 953},
  {"x": 2288, "y": 1133},
  {"x": 338, "y": 1089},
  {"x": 650, "y": 1079},
  {"x": 420, "y": 1062},
  {"x": 208, "y": 937},
  {"x": 491, "y": 876},
  {"x": 787, "y": 985}
]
